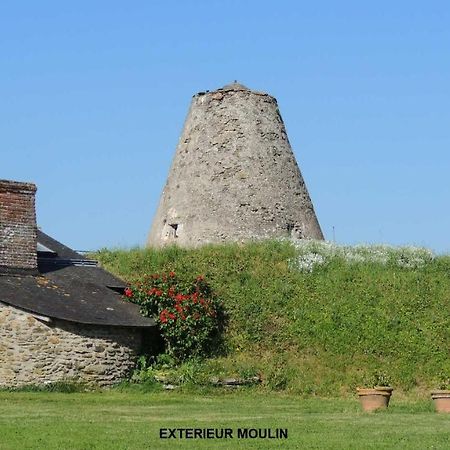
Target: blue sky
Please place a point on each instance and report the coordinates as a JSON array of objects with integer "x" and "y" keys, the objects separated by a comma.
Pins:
[{"x": 94, "y": 96}]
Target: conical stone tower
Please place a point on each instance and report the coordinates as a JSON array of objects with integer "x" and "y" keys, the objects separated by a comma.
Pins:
[{"x": 234, "y": 176}]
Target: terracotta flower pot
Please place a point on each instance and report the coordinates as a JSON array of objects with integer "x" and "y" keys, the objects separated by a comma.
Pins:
[
  {"x": 375, "y": 398},
  {"x": 441, "y": 400}
]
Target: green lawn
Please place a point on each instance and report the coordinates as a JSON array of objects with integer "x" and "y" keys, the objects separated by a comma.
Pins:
[
  {"x": 131, "y": 420},
  {"x": 349, "y": 322}
]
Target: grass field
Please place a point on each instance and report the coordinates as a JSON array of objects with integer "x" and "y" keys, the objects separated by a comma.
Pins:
[
  {"x": 318, "y": 319},
  {"x": 132, "y": 420},
  {"x": 311, "y": 333}
]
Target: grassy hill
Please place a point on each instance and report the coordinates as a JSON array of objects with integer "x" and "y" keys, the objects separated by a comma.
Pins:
[{"x": 315, "y": 318}]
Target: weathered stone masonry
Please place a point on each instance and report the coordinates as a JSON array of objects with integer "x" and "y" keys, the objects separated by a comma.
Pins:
[
  {"x": 234, "y": 176},
  {"x": 62, "y": 317},
  {"x": 35, "y": 352}
]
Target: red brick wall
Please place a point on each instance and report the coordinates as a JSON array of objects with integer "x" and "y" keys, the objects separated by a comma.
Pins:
[{"x": 17, "y": 225}]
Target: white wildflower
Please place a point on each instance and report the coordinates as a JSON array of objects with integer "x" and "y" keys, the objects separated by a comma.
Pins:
[
  {"x": 307, "y": 262},
  {"x": 312, "y": 254}
]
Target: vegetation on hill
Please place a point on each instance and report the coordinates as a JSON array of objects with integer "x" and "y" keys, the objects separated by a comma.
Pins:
[{"x": 315, "y": 318}]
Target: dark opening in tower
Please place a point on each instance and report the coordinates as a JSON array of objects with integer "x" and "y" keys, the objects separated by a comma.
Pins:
[{"x": 173, "y": 231}]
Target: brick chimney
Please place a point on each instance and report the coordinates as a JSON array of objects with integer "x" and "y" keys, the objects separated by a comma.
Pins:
[{"x": 18, "y": 230}]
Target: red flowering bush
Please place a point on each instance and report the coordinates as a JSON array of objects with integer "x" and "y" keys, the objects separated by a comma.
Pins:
[{"x": 188, "y": 314}]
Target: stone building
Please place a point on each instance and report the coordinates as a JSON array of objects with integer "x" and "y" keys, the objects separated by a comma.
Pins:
[
  {"x": 61, "y": 316},
  {"x": 234, "y": 175}
]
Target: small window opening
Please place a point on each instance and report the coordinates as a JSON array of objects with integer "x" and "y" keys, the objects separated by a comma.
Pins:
[
  {"x": 44, "y": 251},
  {"x": 174, "y": 229}
]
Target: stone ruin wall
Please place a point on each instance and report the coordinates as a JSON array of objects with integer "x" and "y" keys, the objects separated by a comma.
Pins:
[
  {"x": 36, "y": 352},
  {"x": 234, "y": 176}
]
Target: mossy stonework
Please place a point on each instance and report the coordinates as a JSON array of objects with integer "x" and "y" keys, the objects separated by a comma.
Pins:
[
  {"x": 33, "y": 351},
  {"x": 234, "y": 176}
]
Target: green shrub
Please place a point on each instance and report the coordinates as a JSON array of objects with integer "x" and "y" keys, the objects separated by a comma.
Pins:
[{"x": 188, "y": 313}]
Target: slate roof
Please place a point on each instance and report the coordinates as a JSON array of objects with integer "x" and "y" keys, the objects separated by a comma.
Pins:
[{"x": 71, "y": 288}]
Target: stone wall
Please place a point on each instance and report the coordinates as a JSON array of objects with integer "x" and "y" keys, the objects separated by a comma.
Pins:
[
  {"x": 234, "y": 176},
  {"x": 18, "y": 231},
  {"x": 35, "y": 352}
]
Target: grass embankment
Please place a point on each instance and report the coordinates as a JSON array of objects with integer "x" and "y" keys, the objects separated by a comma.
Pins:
[
  {"x": 315, "y": 321},
  {"x": 127, "y": 420}
]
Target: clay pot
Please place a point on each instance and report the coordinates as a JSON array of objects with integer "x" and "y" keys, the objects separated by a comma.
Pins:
[
  {"x": 441, "y": 400},
  {"x": 375, "y": 398}
]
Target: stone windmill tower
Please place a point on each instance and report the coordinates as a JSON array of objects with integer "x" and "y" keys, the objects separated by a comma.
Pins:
[{"x": 234, "y": 176}]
